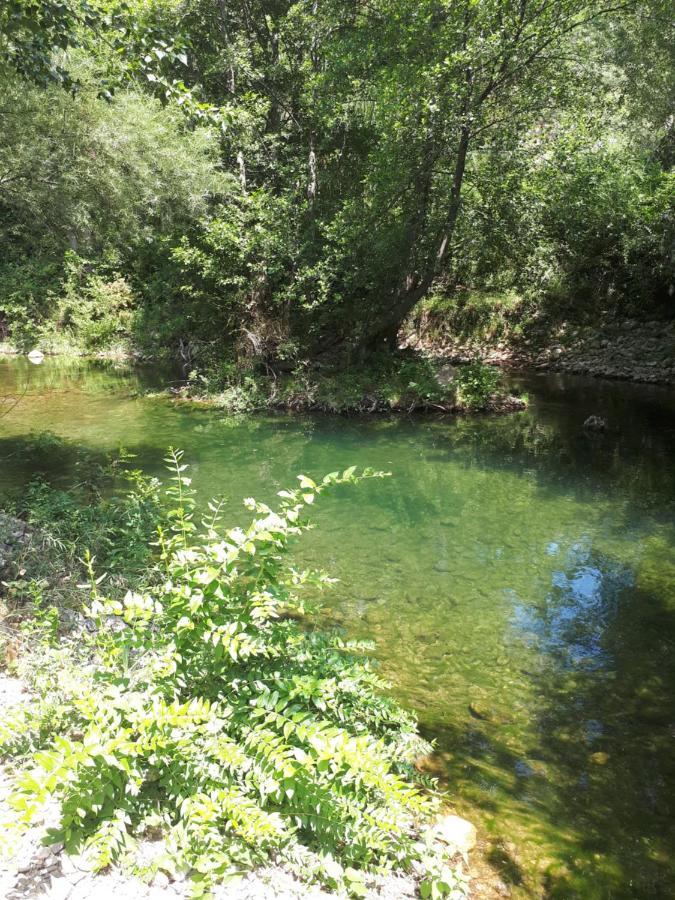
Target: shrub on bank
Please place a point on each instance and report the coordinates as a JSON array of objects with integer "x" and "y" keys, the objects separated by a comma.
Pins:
[
  {"x": 476, "y": 384},
  {"x": 386, "y": 384},
  {"x": 205, "y": 706}
]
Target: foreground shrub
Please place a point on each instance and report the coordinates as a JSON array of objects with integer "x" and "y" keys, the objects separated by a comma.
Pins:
[{"x": 206, "y": 707}]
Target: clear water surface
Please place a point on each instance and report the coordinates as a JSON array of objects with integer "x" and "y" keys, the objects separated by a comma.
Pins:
[{"x": 516, "y": 574}]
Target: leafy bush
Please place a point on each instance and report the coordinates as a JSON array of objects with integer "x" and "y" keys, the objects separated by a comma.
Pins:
[
  {"x": 215, "y": 713},
  {"x": 97, "y": 310},
  {"x": 385, "y": 383},
  {"x": 24, "y": 282},
  {"x": 600, "y": 231},
  {"x": 111, "y": 182},
  {"x": 115, "y": 528},
  {"x": 476, "y": 384}
]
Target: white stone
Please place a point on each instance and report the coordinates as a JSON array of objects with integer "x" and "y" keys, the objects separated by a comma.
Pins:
[
  {"x": 59, "y": 889},
  {"x": 457, "y": 833},
  {"x": 161, "y": 880},
  {"x": 74, "y": 865},
  {"x": 36, "y": 356},
  {"x": 446, "y": 375}
]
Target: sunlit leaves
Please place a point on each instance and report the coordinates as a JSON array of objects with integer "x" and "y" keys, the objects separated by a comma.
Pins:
[{"x": 216, "y": 710}]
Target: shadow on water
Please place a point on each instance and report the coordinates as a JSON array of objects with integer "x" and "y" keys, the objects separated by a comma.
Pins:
[
  {"x": 548, "y": 443},
  {"x": 58, "y": 461},
  {"x": 592, "y": 781}
]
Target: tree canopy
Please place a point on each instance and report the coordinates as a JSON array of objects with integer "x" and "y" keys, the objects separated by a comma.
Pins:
[{"x": 360, "y": 156}]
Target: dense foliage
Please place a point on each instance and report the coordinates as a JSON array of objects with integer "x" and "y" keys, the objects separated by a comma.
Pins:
[
  {"x": 383, "y": 384},
  {"x": 204, "y": 706},
  {"x": 285, "y": 180}
]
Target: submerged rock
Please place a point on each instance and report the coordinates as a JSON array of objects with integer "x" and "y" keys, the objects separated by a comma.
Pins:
[
  {"x": 478, "y": 711},
  {"x": 599, "y": 758},
  {"x": 595, "y": 423}
]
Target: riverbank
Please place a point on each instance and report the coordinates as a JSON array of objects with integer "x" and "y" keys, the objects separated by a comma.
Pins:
[
  {"x": 389, "y": 383},
  {"x": 619, "y": 349},
  {"x": 623, "y": 349}
]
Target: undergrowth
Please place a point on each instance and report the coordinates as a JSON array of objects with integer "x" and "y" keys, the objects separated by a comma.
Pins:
[
  {"x": 203, "y": 706},
  {"x": 112, "y": 510},
  {"x": 386, "y": 384}
]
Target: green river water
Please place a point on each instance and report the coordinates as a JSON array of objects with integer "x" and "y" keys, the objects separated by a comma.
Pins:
[{"x": 516, "y": 574}]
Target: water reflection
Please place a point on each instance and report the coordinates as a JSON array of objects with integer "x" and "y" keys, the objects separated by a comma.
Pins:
[
  {"x": 517, "y": 574},
  {"x": 571, "y": 622}
]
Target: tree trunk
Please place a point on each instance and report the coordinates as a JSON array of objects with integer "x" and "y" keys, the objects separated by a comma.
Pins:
[{"x": 413, "y": 289}]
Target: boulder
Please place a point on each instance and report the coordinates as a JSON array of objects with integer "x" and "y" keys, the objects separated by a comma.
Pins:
[{"x": 459, "y": 834}]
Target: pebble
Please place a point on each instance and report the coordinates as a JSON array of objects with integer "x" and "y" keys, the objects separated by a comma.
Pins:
[{"x": 161, "y": 880}]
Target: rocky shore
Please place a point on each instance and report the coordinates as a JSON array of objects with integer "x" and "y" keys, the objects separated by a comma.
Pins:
[{"x": 627, "y": 350}]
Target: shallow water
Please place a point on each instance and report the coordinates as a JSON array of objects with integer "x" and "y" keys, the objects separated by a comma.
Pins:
[{"x": 517, "y": 575}]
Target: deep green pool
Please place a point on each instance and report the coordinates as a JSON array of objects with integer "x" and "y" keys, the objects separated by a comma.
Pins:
[{"x": 517, "y": 574}]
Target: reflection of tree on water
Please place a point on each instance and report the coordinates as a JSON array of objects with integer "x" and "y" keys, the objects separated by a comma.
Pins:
[
  {"x": 592, "y": 793},
  {"x": 67, "y": 374},
  {"x": 570, "y": 624},
  {"x": 611, "y": 721}
]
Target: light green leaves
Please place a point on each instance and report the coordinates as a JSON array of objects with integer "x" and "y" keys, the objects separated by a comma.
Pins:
[{"x": 215, "y": 709}]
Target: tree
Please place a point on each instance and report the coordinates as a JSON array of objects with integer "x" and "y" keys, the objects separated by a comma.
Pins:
[
  {"x": 465, "y": 75},
  {"x": 34, "y": 35},
  {"x": 374, "y": 144}
]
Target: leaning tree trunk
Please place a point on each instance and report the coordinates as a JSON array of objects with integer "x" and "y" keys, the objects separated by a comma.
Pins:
[{"x": 385, "y": 329}]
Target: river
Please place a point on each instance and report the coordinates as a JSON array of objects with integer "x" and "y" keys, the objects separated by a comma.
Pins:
[{"x": 516, "y": 573}]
